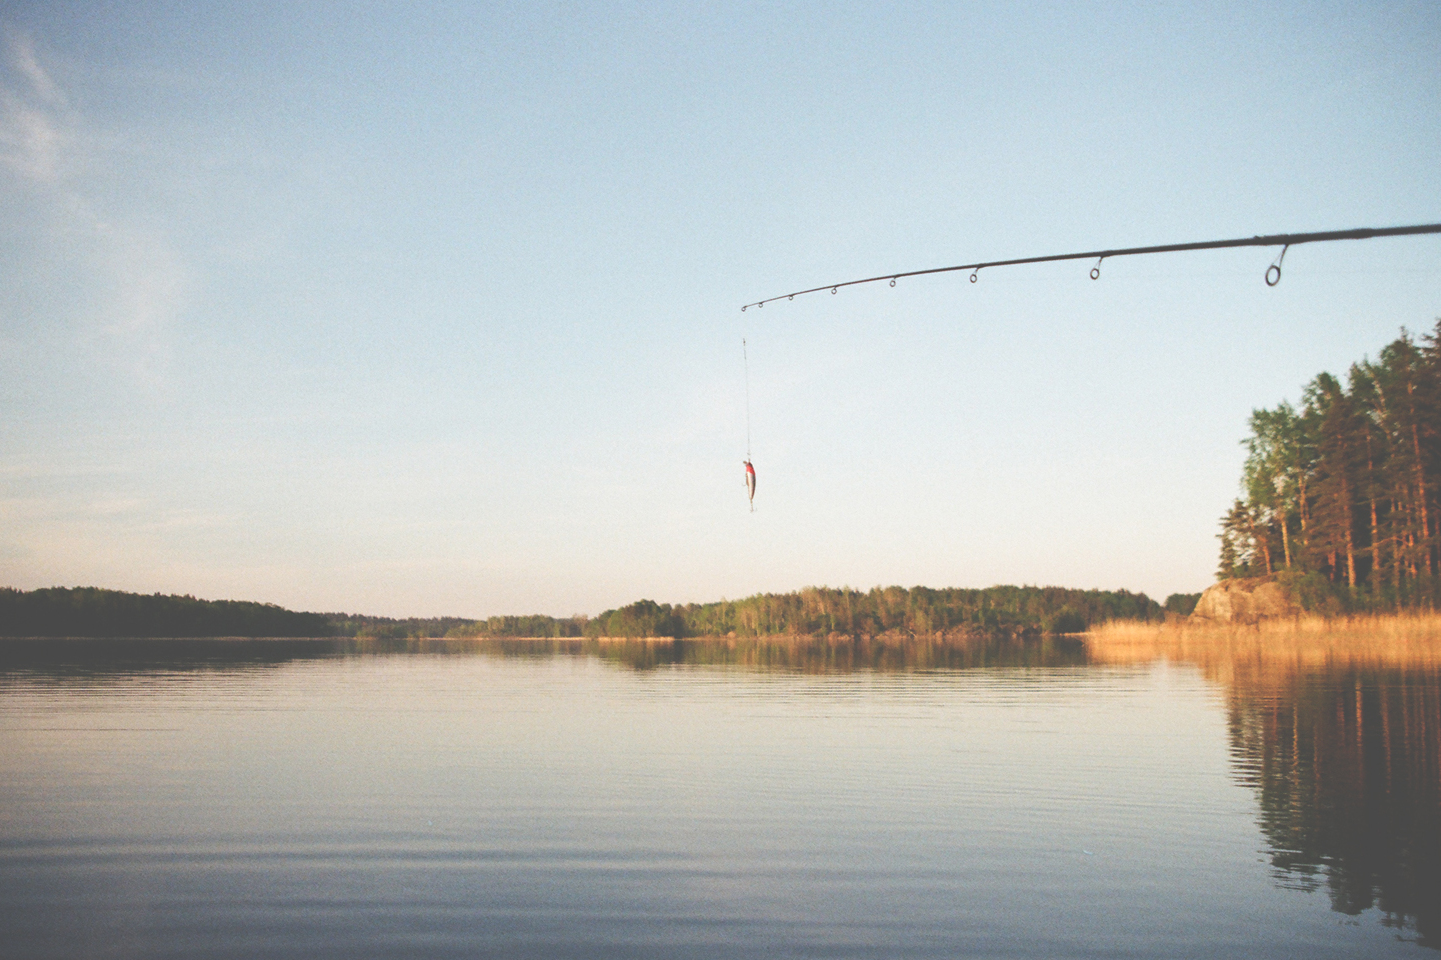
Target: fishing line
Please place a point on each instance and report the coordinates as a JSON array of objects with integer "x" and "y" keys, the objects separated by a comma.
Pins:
[
  {"x": 746, "y": 360},
  {"x": 1273, "y": 273},
  {"x": 750, "y": 468}
]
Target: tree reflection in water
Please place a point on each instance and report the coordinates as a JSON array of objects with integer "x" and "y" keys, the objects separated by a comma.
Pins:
[
  {"x": 1337, "y": 727},
  {"x": 823, "y": 655},
  {"x": 1339, "y": 736},
  {"x": 1346, "y": 760},
  {"x": 59, "y": 658}
]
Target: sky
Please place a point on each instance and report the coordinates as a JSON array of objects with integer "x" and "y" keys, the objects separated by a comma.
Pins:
[{"x": 434, "y": 309}]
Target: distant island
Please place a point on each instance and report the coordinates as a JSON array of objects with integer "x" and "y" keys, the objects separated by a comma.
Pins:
[{"x": 823, "y": 611}]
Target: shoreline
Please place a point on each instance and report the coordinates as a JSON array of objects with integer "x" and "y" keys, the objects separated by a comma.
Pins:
[{"x": 1380, "y": 638}]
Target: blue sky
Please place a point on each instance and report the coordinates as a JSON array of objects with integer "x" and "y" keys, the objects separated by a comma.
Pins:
[{"x": 434, "y": 309}]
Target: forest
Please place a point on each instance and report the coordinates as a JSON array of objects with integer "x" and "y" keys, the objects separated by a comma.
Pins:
[
  {"x": 1340, "y": 493},
  {"x": 918, "y": 611},
  {"x": 93, "y": 612},
  {"x": 816, "y": 611},
  {"x": 527, "y": 625}
]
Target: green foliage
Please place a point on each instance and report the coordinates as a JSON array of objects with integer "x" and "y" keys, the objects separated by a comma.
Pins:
[
  {"x": 1312, "y": 590},
  {"x": 918, "y": 611},
  {"x": 1341, "y": 497},
  {"x": 1181, "y": 603},
  {"x": 815, "y": 611},
  {"x": 529, "y": 625},
  {"x": 92, "y": 612},
  {"x": 1240, "y": 556},
  {"x": 644, "y": 618},
  {"x": 1066, "y": 620},
  {"x": 387, "y": 628}
]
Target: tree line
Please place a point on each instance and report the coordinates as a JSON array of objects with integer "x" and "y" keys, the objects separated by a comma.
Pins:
[
  {"x": 917, "y": 611},
  {"x": 527, "y": 625},
  {"x": 1340, "y": 494},
  {"x": 93, "y": 612},
  {"x": 96, "y": 612},
  {"x": 1003, "y": 611}
]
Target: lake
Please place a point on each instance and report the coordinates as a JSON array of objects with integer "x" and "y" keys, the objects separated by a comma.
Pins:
[{"x": 193, "y": 798}]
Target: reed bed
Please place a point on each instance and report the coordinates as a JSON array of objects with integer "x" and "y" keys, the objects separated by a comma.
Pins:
[{"x": 1384, "y": 639}]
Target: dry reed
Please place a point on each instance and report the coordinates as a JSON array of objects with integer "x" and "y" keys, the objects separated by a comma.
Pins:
[{"x": 1387, "y": 639}]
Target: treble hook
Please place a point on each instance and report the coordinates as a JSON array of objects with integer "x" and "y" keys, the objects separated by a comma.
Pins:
[
  {"x": 1096, "y": 270},
  {"x": 974, "y": 274},
  {"x": 1272, "y": 280}
]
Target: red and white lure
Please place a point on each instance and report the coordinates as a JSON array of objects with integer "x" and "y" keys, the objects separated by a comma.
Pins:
[{"x": 751, "y": 484}]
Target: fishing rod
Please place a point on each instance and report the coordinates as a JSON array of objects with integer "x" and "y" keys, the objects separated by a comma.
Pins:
[{"x": 1273, "y": 273}]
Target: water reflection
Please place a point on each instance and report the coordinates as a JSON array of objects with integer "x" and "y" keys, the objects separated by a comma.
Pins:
[
  {"x": 1339, "y": 733},
  {"x": 1346, "y": 761},
  {"x": 101, "y": 657},
  {"x": 1343, "y": 752},
  {"x": 816, "y": 656}
]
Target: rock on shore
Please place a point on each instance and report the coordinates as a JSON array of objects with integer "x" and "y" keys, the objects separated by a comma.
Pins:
[{"x": 1244, "y": 601}]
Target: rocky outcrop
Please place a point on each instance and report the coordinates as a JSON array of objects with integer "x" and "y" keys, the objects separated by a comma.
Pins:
[{"x": 1244, "y": 601}]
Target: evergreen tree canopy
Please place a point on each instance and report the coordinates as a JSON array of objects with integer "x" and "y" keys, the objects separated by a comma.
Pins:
[{"x": 1340, "y": 497}]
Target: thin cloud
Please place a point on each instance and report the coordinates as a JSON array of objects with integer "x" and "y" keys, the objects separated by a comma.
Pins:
[
  {"x": 30, "y": 139},
  {"x": 24, "y": 61},
  {"x": 138, "y": 276},
  {"x": 32, "y": 114}
]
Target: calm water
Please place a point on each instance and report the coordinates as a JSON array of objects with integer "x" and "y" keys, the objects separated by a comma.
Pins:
[{"x": 251, "y": 799}]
